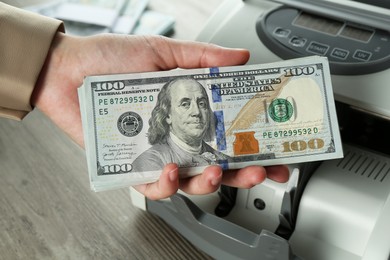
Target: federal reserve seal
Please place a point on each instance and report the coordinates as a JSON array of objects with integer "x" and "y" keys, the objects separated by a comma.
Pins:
[
  {"x": 130, "y": 124},
  {"x": 280, "y": 110}
]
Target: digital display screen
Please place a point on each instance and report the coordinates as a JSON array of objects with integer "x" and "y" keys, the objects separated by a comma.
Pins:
[
  {"x": 319, "y": 24},
  {"x": 356, "y": 33},
  {"x": 332, "y": 27}
]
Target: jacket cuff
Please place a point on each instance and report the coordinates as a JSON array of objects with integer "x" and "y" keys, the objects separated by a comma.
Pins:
[
  {"x": 12, "y": 114},
  {"x": 25, "y": 40}
]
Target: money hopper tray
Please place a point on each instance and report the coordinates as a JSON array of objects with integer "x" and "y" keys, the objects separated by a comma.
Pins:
[{"x": 330, "y": 210}]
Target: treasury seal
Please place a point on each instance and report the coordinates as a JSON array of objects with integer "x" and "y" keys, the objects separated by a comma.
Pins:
[
  {"x": 280, "y": 110},
  {"x": 130, "y": 124}
]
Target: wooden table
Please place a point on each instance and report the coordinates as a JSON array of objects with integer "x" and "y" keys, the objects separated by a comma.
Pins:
[{"x": 47, "y": 210}]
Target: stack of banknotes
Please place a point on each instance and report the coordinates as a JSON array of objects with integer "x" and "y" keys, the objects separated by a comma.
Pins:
[
  {"x": 265, "y": 114},
  {"x": 90, "y": 17}
]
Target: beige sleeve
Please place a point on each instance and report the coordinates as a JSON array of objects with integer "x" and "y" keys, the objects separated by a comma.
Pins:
[{"x": 25, "y": 39}]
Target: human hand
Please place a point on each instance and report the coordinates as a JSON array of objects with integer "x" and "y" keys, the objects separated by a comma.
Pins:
[
  {"x": 70, "y": 59},
  {"x": 210, "y": 180}
]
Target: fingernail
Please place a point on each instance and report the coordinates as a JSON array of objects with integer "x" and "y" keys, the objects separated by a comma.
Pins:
[
  {"x": 173, "y": 175},
  {"x": 217, "y": 181}
]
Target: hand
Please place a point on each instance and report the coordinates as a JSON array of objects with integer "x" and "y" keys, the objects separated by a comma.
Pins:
[
  {"x": 210, "y": 180},
  {"x": 70, "y": 59}
]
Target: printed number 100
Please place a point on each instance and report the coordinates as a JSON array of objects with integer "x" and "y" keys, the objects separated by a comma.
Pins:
[{"x": 302, "y": 145}]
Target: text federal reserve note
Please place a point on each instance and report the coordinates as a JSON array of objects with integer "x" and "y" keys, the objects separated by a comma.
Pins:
[{"x": 267, "y": 114}]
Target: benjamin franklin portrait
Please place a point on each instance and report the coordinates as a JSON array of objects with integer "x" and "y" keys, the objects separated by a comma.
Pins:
[{"x": 180, "y": 125}]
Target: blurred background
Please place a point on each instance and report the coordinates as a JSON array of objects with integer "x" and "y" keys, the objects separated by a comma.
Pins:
[{"x": 174, "y": 18}]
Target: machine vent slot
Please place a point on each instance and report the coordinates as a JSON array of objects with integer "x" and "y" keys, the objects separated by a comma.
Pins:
[{"x": 364, "y": 165}]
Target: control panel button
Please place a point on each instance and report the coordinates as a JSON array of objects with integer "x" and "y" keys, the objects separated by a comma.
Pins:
[
  {"x": 339, "y": 53},
  {"x": 317, "y": 48},
  {"x": 297, "y": 41},
  {"x": 282, "y": 32},
  {"x": 362, "y": 55}
]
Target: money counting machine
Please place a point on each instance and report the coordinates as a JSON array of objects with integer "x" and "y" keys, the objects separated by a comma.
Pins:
[{"x": 333, "y": 210}]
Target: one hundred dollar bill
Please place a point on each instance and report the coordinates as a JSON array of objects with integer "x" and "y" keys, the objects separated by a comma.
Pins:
[
  {"x": 266, "y": 114},
  {"x": 130, "y": 16},
  {"x": 84, "y": 17},
  {"x": 156, "y": 23},
  {"x": 96, "y": 12}
]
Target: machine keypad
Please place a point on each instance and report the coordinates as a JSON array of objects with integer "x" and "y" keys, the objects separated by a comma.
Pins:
[
  {"x": 351, "y": 48},
  {"x": 340, "y": 53},
  {"x": 297, "y": 41},
  {"x": 362, "y": 55},
  {"x": 282, "y": 32},
  {"x": 318, "y": 48}
]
